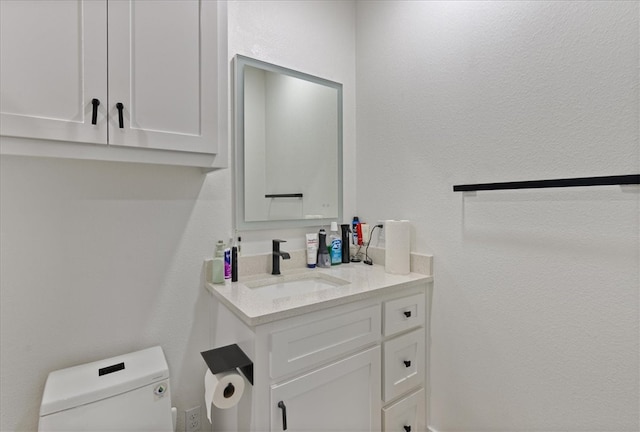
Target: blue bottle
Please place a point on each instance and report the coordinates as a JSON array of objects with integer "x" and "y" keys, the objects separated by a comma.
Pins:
[{"x": 335, "y": 246}]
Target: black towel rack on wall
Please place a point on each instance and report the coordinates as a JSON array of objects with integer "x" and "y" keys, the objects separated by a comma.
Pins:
[
  {"x": 291, "y": 195},
  {"x": 629, "y": 179}
]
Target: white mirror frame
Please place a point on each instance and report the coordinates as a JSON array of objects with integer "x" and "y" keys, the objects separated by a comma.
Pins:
[{"x": 241, "y": 224}]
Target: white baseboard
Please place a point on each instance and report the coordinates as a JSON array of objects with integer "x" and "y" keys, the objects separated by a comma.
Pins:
[{"x": 430, "y": 429}]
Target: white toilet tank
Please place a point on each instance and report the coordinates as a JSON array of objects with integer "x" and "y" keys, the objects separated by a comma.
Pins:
[{"x": 126, "y": 393}]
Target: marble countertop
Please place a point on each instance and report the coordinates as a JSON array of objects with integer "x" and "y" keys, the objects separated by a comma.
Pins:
[{"x": 363, "y": 282}]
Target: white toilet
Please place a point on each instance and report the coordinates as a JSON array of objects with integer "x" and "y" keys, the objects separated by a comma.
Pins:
[{"x": 130, "y": 392}]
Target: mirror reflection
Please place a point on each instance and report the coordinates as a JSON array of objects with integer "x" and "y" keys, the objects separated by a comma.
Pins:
[{"x": 288, "y": 147}]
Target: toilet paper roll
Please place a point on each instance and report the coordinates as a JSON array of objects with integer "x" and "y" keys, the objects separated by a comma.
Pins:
[
  {"x": 223, "y": 389},
  {"x": 397, "y": 254}
]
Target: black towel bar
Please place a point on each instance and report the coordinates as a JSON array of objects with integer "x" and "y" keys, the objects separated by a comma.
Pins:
[
  {"x": 629, "y": 179},
  {"x": 291, "y": 195}
]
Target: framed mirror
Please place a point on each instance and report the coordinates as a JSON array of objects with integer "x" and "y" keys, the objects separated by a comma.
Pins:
[{"x": 288, "y": 147}]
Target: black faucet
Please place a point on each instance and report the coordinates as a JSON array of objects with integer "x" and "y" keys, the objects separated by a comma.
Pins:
[{"x": 276, "y": 254}]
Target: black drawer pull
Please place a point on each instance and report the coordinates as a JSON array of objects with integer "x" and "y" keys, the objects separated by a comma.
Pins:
[
  {"x": 407, "y": 428},
  {"x": 94, "y": 115},
  {"x": 283, "y": 407},
  {"x": 407, "y": 363},
  {"x": 407, "y": 314},
  {"x": 120, "y": 116}
]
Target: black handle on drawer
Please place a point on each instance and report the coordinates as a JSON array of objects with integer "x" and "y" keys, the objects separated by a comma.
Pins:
[
  {"x": 407, "y": 363},
  {"x": 120, "y": 117},
  {"x": 407, "y": 314},
  {"x": 407, "y": 428},
  {"x": 283, "y": 407},
  {"x": 94, "y": 115}
]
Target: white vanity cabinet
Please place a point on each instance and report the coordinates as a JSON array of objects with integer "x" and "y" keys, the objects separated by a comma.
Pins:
[
  {"x": 117, "y": 74},
  {"x": 358, "y": 366},
  {"x": 325, "y": 370}
]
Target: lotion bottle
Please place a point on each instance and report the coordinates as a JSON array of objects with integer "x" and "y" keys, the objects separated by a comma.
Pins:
[
  {"x": 218, "y": 264},
  {"x": 312, "y": 250}
]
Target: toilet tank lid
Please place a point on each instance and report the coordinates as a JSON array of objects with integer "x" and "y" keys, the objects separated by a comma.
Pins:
[{"x": 90, "y": 382}]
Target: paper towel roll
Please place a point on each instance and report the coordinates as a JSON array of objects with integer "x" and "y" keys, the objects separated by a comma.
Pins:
[
  {"x": 397, "y": 253},
  {"x": 224, "y": 389}
]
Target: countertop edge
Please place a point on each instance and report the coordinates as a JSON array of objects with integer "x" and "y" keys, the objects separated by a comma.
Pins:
[{"x": 253, "y": 321}]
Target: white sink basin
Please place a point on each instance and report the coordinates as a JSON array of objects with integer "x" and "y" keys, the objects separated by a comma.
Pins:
[{"x": 296, "y": 284}]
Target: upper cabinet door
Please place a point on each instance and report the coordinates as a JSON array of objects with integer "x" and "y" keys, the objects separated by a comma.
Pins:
[
  {"x": 163, "y": 74},
  {"x": 54, "y": 64}
]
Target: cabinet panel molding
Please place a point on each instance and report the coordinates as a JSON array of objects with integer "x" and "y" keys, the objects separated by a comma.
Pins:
[
  {"x": 163, "y": 69},
  {"x": 321, "y": 340},
  {"x": 54, "y": 63},
  {"x": 407, "y": 412},
  {"x": 404, "y": 363},
  {"x": 348, "y": 390}
]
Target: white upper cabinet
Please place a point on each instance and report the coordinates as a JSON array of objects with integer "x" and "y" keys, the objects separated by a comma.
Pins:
[
  {"x": 53, "y": 64},
  {"x": 153, "y": 65},
  {"x": 162, "y": 72}
]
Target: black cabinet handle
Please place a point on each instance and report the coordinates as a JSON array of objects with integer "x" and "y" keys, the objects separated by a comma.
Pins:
[
  {"x": 407, "y": 428},
  {"x": 120, "y": 117},
  {"x": 407, "y": 314},
  {"x": 283, "y": 407},
  {"x": 94, "y": 116},
  {"x": 407, "y": 363}
]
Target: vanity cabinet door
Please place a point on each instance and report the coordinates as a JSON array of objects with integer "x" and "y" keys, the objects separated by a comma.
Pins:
[
  {"x": 342, "y": 397},
  {"x": 403, "y": 314},
  {"x": 54, "y": 64},
  {"x": 404, "y": 364},
  {"x": 406, "y": 415}
]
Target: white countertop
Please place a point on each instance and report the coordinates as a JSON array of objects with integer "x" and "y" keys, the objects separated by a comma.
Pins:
[{"x": 363, "y": 282}]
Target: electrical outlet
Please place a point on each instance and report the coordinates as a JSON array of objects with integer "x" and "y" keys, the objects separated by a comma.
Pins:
[
  {"x": 192, "y": 419},
  {"x": 380, "y": 233}
]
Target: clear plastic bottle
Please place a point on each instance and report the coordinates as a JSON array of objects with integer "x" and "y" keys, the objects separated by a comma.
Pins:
[
  {"x": 324, "y": 260},
  {"x": 335, "y": 245}
]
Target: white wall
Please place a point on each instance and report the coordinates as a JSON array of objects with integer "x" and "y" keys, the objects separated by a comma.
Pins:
[
  {"x": 98, "y": 259},
  {"x": 535, "y": 321}
]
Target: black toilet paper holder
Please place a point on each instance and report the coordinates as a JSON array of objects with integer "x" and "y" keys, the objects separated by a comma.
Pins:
[{"x": 227, "y": 358}]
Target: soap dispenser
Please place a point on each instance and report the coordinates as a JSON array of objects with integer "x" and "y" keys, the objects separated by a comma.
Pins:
[{"x": 324, "y": 260}]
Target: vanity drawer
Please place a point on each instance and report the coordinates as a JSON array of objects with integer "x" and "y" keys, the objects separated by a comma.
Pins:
[
  {"x": 403, "y": 314},
  {"x": 317, "y": 341},
  {"x": 406, "y": 415},
  {"x": 404, "y": 364}
]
